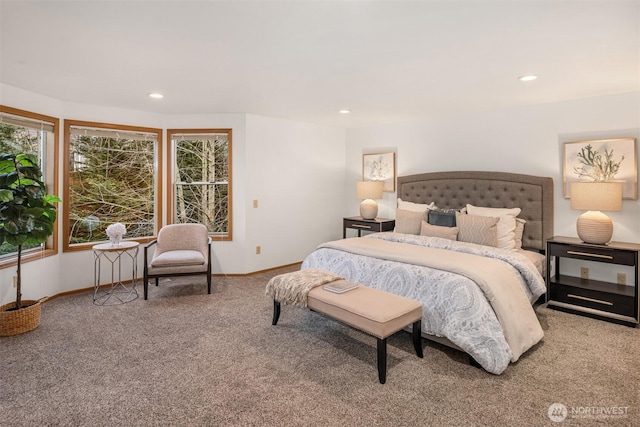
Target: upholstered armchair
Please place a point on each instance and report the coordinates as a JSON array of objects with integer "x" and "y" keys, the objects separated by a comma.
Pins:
[{"x": 180, "y": 250}]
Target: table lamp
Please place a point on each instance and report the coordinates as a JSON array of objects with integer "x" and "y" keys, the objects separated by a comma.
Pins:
[
  {"x": 369, "y": 190},
  {"x": 593, "y": 226}
]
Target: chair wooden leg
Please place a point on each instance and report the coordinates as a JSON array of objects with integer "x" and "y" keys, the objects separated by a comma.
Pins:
[
  {"x": 209, "y": 283},
  {"x": 145, "y": 285},
  {"x": 157, "y": 281}
]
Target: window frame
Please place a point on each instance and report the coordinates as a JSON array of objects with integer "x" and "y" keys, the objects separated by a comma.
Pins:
[
  {"x": 158, "y": 178},
  {"x": 51, "y": 180},
  {"x": 171, "y": 169}
]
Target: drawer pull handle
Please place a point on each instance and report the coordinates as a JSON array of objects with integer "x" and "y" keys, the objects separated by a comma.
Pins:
[
  {"x": 598, "y": 301},
  {"x": 368, "y": 227},
  {"x": 591, "y": 255}
]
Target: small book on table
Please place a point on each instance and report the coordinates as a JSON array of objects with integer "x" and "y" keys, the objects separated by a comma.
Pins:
[{"x": 340, "y": 287}]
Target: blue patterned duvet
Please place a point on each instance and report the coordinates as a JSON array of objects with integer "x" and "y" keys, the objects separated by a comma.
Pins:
[{"x": 454, "y": 307}]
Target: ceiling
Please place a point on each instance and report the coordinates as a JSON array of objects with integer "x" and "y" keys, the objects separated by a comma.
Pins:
[{"x": 386, "y": 61}]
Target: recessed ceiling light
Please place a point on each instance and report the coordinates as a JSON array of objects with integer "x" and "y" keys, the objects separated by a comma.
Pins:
[
  {"x": 156, "y": 95},
  {"x": 528, "y": 78},
  {"x": 345, "y": 111}
]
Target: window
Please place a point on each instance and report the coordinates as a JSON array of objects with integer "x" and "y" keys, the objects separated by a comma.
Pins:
[
  {"x": 27, "y": 132},
  {"x": 200, "y": 182},
  {"x": 113, "y": 174}
]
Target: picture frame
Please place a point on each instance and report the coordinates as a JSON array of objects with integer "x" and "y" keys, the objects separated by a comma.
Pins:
[
  {"x": 380, "y": 167},
  {"x": 622, "y": 150}
]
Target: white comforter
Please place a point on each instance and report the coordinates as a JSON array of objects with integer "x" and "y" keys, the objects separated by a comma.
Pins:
[{"x": 454, "y": 305}]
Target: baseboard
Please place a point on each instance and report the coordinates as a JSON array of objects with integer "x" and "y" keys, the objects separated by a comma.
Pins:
[{"x": 83, "y": 290}]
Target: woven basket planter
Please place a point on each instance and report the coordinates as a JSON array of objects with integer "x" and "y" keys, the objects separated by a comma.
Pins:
[{"x": 14, "y": 322}]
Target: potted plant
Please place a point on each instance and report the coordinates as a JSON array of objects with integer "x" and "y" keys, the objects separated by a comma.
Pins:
[{"x": 27, "y": 216}]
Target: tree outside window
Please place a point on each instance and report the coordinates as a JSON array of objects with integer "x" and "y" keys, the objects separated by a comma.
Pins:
[
  {"x": 201, "y": 179},
  {"x": 113, "y": 176},
  {"x": 27, "y": 132}
]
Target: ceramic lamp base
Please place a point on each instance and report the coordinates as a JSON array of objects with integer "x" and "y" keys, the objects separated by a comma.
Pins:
[
  {"x": 594, "y": 227},
  {"x": 368, "y": 209}
]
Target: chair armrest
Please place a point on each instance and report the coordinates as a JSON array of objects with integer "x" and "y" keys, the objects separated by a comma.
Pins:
[{"x": 145, "y": 252}]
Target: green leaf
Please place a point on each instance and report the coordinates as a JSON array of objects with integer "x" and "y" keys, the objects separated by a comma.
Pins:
[
  {"x": 34, "y": 212},
  {"x": 52, "y": 199},
  {"x": 28, "y": 224},
  {"x": 27, "y": 160},
  {"x": 6, "y": 195},
  {"x": 9, "y": 178},
  {"x": 17, "y": 239},
  {"x": 11, "y": 227},
  {"x": 37, "y": 237}
]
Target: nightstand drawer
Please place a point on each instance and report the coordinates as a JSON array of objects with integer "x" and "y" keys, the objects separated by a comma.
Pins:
[
  {"x": 603, "y": 254},
  {"x": 598, "y": 300},
  {"x": 360, "y": 225},
  {"x": 375, "y": 225}
]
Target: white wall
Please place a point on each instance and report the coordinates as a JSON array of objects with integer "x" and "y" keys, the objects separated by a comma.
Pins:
[
  {"x": 296, "y": 173},
  {"x": 295, "y": 170},
  {"x": 525, "y": 140},
  {"x": 304, "y": 176}
]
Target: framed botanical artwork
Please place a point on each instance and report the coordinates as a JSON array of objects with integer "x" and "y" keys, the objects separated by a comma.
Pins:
[
  {"x": 602, "y": 160},
  {"x": 380, "y": 167}
]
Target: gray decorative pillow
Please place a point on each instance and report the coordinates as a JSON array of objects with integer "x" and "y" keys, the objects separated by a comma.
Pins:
[
  {"x": 442, "y": 217},
  {"x": 429, "y": 230},
  {"x": 408, "y": 222},
  {"x": 481, "y": 230}
]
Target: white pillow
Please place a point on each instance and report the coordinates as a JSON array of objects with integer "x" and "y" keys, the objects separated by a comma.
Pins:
[
  {"x": 506, "y": 223},
  {"x": 415, "y": 207},
  {"x": 519, "y": 232}
]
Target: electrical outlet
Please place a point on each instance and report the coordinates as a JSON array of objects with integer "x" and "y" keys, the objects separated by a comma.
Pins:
[
  {"x": 584, "y": 273},
  {"x": 622, "y": 279},
  {"x": 15, "y": 281},
  {"x": 258, "y": 250}
]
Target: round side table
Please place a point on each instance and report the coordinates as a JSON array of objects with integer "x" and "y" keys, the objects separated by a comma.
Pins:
[{"x": 117, "y": 292}]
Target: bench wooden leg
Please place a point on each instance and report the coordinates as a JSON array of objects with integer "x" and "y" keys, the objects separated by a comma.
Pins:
[
  {"x": 417, "y": 337},
  {"x": 276, "y": 312},
  {"x": 382, "y": 360}
]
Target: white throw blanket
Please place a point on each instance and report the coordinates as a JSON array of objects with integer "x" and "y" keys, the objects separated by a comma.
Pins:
[
  {"x": 292, "y": 288},
  {"x": 497, "y": 280}
]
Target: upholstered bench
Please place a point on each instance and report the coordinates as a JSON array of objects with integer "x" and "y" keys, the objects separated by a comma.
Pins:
[{"x": 375, "y": 312}]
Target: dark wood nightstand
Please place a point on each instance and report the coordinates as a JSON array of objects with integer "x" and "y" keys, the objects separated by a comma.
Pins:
[
  {"x": 595, "y": 298},
  {"x": 374, "y": 225}
]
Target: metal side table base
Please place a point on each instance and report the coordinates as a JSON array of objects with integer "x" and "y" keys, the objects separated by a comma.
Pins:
[{"x": 117, "y": 292}]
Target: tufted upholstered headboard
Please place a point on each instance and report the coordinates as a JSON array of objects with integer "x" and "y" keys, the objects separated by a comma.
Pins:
[{"x": 453, "y": 190}]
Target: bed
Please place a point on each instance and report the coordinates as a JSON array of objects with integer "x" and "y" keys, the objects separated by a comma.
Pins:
[{"x": 476, "y": 298}]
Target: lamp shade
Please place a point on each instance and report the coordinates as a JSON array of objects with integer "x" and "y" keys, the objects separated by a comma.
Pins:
[
  {"x": 593, "y": 226},
  {"x": 369, "y": 189},
  {"x": 596, "y": 196}
]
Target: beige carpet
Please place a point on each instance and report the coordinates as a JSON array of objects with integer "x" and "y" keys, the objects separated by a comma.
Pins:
[{"x": 185, "y": 358}]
